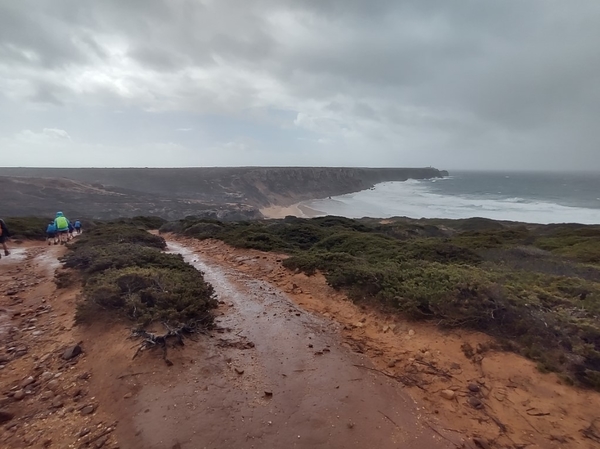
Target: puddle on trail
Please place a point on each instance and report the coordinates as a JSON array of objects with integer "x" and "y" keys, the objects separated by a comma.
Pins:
[{"x": 16, "y": 255}]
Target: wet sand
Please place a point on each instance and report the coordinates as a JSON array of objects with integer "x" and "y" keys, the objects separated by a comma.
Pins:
[{"x": 300, "y": 210}]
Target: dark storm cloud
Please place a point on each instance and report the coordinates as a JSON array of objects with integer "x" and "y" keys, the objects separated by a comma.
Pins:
[{"x": 420, "y": 81}]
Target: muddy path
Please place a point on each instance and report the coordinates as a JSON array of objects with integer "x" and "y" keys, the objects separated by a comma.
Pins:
[
  {"x": 275, "y": 376},
  {"x": 292, "y": 363}
]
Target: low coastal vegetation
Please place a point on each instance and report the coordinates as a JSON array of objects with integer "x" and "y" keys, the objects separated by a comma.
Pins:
[
  {"x": 535, "y": 288},
  {"x": 124, "y": 270}
]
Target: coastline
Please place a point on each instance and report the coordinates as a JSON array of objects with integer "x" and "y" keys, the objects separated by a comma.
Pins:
[{"x": 300, "y": 210}]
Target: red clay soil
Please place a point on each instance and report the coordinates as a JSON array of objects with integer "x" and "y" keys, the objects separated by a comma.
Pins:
[{"x": 292, "y": 364}]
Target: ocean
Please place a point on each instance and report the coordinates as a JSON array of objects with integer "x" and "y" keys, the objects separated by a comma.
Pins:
[{"x": 518, "y": 196}]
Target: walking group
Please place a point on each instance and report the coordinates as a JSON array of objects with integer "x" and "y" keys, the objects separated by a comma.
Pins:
[{"x": 61, "y": 230}]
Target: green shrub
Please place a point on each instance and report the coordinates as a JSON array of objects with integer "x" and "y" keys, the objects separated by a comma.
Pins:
[
  {"x": 33, "y": 228},
  {"x": 527, "y": 285},
  {"x": 154, "y": 294},
  {"x": 124, "y": 271}
]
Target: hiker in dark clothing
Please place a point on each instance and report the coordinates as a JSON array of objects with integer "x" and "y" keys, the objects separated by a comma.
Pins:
[{"x": 4, "y": 235}]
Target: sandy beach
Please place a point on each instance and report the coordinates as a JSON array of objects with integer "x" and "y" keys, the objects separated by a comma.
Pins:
[{"x": 295, "y": 210}]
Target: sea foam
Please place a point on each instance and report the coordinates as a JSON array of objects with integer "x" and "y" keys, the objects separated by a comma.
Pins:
[{"x": 414, "y": 199}]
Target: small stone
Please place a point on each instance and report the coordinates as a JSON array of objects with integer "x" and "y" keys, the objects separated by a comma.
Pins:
[
  {"x": 239, "y": 371},
  {"x": 46, "y": 395},
  {"x": 268, "y": 394},
  {"x": 475, "y": 403},
  {"x": 474, "y": 388},
  {"x": 57, "y": 402},
  {"x": 392, "y": 364},
  {"x": 28, "y": 381},
  {"x": 448, "y": 394},
  {"x": 101, "y": 442},
  {"x": 46, "y": 376},
  {"x": 385, "y": 329},
  {"x": 359, "y": 325},
  {"x": 5, "y": 416},
  {"x": 4, "y": 359},
  {"x": 127, "y": 396},
  {"x": 84, "y": 432},
  {"x": 71, "y": 352},
  {"x": 88, "y": 409},
  {"x": 411, "y": 333},
  {"x": 19, "y": 394},
  {"x": 53, "y": 385}
]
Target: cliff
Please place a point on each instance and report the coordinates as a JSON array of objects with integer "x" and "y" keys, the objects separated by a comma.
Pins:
[{"x": 174, "y": 193}]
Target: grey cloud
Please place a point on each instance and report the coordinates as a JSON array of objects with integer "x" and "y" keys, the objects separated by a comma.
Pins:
[{"x": 468, "y": 77}]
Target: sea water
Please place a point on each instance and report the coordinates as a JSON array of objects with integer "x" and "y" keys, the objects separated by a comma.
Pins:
[{"x": 526, "y": 197}]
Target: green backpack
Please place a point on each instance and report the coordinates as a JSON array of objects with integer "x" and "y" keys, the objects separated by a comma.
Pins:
[{"x": 62, "y": 224}]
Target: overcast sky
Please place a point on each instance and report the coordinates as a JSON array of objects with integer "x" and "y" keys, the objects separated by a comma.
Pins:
[{"x": 506, "y": 84}]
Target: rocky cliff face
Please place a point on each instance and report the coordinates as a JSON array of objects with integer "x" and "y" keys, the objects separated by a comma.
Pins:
[{"x": 175, "y": 193}]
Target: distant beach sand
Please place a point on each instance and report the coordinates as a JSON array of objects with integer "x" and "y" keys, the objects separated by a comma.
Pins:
[{"x": 295, "y": 210}]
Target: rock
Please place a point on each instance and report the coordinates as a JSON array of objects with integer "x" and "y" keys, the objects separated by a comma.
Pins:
[
  {"x": 385, "y": 329},
  {"x": 392, "y": 364},
  {"x": 19, "y": 394},
  {"x": 127, "y": 396},
  {"x": 71, "y": 352},
  {"x": 58, "y": 402},
  {"x": 448, "y": 394},
  {"x": 101, "y": 442},
  {"x": 411, "y": 333},
  {"x": 481, "y": 443},
  {"x": 5, "y": 416},
  {"x": 475, "y": 403},
  {"x": 46, "y": 395},
  {"x": 83, "y": 432},
  {"x": 28, "y": 381},
  {"x": 4, "y": 359},
  {"x": 88, "y": 409},
  {"x": 474, "y": 388},
  {"x": 46, "y": 376},
  {"x": 53, "y": 385},
  {"x": 268, "y": 393},
  {"x": 359, "y": 325},
  {"x": 239, "y": 371}
]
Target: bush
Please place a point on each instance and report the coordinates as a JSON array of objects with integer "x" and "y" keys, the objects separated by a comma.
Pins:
[
  {"x": 125, "y": 271},
  {"x": 154, "y": 294},
  {"x": 33, "y": 228},
  {"x": 525, "y": 285}
]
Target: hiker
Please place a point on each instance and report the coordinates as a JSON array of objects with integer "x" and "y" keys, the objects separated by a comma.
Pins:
[
  {"x": 62, "y": 228},
  {"x": 78, "y": 227},
  {"x": 71, "y": 230},
  {"x": 4, "y": 235},
  {"x": 51, "y": 233}
]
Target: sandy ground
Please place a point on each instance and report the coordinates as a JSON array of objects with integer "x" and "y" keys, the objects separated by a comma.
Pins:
[
  {"x": 296, "y": 210},
  {"x": 292, "y": 364}
]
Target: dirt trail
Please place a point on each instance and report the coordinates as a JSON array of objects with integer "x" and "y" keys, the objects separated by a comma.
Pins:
[
  {"x": 279, "y": 378},
  {"x": 45, "y": 400},
  {"x": 292, "y": 364}
]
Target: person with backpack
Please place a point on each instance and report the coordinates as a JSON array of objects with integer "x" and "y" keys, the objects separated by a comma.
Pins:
[
  {"x": 51, "y": 233},
  {"x": 78, "y": 227},
  {"x": 4, "y": 235},
  {"x": 62, "y": 228}
]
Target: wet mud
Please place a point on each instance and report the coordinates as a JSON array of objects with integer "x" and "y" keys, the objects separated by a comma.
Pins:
[{"x": 274, "y": 376}]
